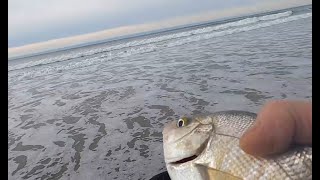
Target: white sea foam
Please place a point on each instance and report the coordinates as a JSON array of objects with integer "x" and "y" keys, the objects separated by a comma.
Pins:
[
  {"x": 82, "y": 63},
  {"x": 150, "y": 44},
  {"x": 240, "y": 29},
  {"x": 101, "y": 116},
  {"x": 90, "y": 52}
]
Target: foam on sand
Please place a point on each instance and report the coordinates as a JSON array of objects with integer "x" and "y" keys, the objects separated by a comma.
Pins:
[{"x": 143, "y": 28}]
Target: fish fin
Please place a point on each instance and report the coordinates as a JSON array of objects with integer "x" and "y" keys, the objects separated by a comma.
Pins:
[{"x": 220, "y": 175}]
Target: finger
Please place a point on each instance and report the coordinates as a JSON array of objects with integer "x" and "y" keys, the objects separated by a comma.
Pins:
[{"x": 279, "y": 124}]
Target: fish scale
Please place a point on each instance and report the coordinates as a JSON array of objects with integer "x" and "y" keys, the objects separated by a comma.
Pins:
[{"x": 222, "y": 157}]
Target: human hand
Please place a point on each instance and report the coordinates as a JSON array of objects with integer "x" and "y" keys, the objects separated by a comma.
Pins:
[{"x": 279, "y": 124}]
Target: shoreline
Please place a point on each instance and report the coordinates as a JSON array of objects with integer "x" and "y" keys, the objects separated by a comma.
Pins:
[{"x": 76, "y": 44}]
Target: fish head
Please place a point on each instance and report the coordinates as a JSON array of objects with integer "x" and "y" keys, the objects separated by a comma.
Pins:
[
  {"x": 194, "y": 148},
  {"x": 183, "y": 141}
]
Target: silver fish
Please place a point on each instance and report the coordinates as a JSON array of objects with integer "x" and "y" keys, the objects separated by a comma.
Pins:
[{"x": 207, "y": 147}]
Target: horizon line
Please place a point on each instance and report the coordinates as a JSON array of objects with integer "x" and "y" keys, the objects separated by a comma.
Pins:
[{"x": 132, "y": 31}]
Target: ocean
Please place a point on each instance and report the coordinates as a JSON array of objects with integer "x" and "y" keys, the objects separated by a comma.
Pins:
[{"x": 97, "y": 112}]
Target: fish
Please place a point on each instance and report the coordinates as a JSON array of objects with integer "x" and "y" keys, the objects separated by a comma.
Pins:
[{"x": 206, "y": 147}]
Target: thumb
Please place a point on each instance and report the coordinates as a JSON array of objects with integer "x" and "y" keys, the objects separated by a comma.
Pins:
[{"x": 279, "y": 124}]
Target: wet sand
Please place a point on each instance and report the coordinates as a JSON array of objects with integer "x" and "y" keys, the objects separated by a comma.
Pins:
[{"x": 104, "y": 121}]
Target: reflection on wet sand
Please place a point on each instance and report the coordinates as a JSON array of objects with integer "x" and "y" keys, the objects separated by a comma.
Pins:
[{"x": 104, "y": 121}]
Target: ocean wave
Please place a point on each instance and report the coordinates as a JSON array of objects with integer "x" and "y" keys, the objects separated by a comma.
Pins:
[
  {"x": 18, "y": 75},
  {"x": 72, "y": 55},
  {"x": 147, "y": 45},
  {"x": 237, "y": 30}
]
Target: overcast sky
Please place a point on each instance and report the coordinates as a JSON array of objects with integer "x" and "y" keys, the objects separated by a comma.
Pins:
[{"x": 41, "y": 20}]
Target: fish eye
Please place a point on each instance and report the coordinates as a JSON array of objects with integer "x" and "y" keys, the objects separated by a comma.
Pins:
[{"x": 182, "y": 122}]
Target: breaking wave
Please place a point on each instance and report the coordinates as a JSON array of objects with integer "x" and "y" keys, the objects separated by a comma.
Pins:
[{"x": 110, "y": 52}]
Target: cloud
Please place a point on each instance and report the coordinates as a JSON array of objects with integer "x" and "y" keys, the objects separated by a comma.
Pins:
[
  {"x": 144, "y": 27},
  {"x": 38, "y": 20},
  {"x": 41, "y": 20},
  {"x": 35, "y": 13}
]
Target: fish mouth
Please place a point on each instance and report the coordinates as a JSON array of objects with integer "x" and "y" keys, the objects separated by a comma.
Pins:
[
  {"x": 184, "y": 160},
  {"x": 193, "y": 157}
]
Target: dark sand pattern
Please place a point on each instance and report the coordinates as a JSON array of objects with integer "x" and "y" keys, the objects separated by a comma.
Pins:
[
  {"x": 104, "y": 120},
  {"x": 21, "y": 161}
]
